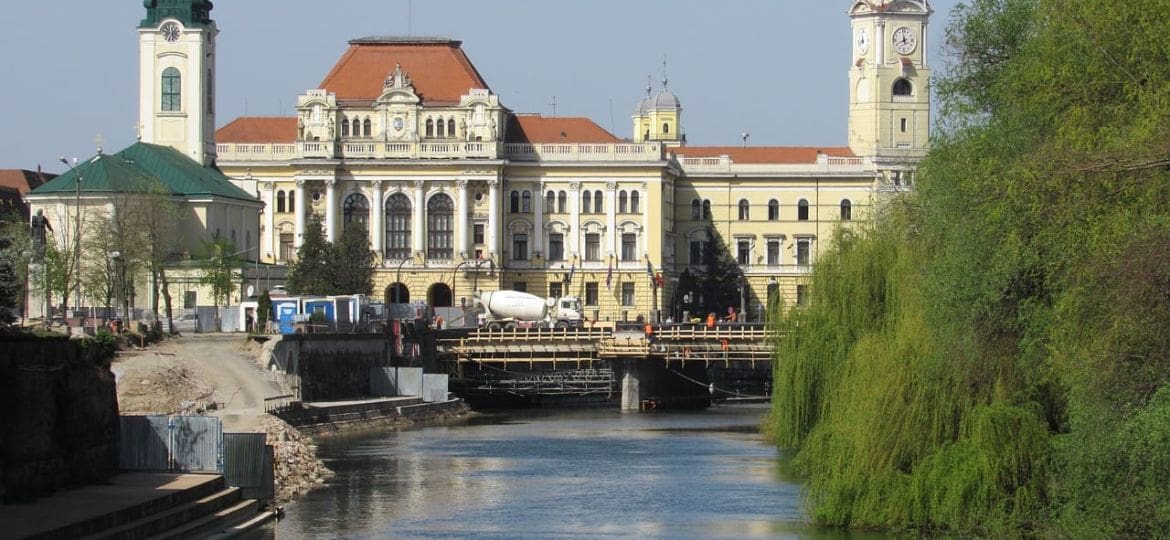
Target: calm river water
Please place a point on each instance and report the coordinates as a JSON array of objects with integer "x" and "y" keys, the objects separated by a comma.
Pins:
[{"x": 562, "y": 474}]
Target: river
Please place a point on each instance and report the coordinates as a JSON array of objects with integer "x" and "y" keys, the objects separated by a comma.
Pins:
[{"x": 559, "y": 474}]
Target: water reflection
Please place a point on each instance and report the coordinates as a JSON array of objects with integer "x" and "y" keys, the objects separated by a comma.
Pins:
[{"x": 592, "y": 473}]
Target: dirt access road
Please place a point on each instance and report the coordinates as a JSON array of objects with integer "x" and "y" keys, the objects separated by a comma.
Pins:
[{"x": 191, "y": 371}]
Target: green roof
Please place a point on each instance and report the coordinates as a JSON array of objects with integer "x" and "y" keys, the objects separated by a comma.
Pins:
[
  {"x": 136, "y": 169},
  {"x": 195, "y": 13}
]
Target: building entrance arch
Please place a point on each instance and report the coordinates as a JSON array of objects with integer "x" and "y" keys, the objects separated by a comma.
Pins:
[
  {"x": 439, "y": 295},
  {"x": 397, "y": 293}
]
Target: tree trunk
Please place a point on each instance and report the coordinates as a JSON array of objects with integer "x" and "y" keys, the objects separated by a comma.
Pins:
[{"x": 166, "y": 294}]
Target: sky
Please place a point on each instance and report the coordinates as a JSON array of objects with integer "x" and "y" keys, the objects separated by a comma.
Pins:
[{"x": 775, "y": 69}]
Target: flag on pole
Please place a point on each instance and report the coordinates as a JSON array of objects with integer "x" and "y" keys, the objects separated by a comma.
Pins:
[
  {"x": 609, "y": 275},
  {"x": 572, "y": 271}
]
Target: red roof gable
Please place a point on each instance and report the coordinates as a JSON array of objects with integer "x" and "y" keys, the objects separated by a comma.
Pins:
[
  {"x": 257, "y": 129},
  {"x": 535, "y": 129},
  {"x": 763, "y": 154},
  {"x": 22, "y": 180},
  {"x": 438, "y": 68}
]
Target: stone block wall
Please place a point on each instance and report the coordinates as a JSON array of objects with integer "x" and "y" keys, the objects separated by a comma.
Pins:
[
  {"x": 58, "y": 416},
  {"x": 332, "y": 367}
]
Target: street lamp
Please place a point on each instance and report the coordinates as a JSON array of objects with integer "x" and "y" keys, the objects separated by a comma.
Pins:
[
  {"x": 398, "y": 281},
  {"x": 75, "y": 265}
]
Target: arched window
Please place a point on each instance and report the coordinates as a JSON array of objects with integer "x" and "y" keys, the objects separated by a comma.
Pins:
[
  {"x": 440, "y": 227},
  {"x": 634, "y": 202},
  {"x": 280, "y": 201},
  {"x": 440, "y": 129},
  {"x": 430, "y": 128},
  {"x": 802, "y": 210},
  {"x": 357, "y": 128},
  {"x": 846, "y": 210},
  {"x": 514, "y": 202},
  {"x": 451, "y": 128},
  {"x": 356, "y": 209},
  {"x": 550, "y": 201},
  {"x": 586, "y": 202},
  {"x": 366, "y": 131},
  {"x": 598, "y": 208},
  {"x": 623, "y": 203},
  {"x": 706, "y": 209},
  {"x": 561, "y": 198},
  {"x": 172, "y": 90},
  {"x": 773, "y": 210},
  {"x": 345, "y": 128},
  {"x": 665, "y": 128},
  {"x": 902, "y": 87},
  {"x": 292, "y": 201},
  {"x": 526, "y": 202},
  {"x": 398, "y": 217},
  {"x": 744, "y": 210},
  {"x": 696, "y": 212}
]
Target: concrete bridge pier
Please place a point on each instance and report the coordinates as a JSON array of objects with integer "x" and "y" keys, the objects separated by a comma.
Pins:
[
  {"x": 651, "y": 384},
  {"x": 632, "y": 385}
]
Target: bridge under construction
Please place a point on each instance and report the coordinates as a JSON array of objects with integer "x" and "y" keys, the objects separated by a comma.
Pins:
[{"x": 677, "y": 365}]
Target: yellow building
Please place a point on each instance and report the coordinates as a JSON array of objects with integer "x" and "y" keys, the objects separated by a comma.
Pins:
[{"x": 460, "y": 193}]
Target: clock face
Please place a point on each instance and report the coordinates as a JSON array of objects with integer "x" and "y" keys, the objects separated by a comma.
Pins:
[
  {"x": 862, "y": 40},
  {"x": 904, "y": 40},
  {"x": 170, "y": 32}
]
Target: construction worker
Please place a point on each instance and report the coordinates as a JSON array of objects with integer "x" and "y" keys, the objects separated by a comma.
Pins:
[{"x": 711, "y": 320}]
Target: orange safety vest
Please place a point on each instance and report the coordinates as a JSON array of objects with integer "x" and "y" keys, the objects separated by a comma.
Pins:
[{"x": 710, "y": 320}]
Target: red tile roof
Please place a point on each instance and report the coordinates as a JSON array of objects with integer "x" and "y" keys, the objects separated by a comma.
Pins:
[
  {"x": 438, "y": 68},
  {"x": 763, "y": 154},
  {"x": 258, "y": 129},
  {"x": 535, "y": 129},
  {"x": 22, "y": 180}
]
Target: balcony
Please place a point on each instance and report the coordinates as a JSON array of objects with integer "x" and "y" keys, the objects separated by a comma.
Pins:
[
  {"x": 355, "y": 149},
  {"x": 580, "y": 152}
]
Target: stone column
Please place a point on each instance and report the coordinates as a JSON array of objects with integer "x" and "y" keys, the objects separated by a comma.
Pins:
[
  {"x": 379, "y": 212},
  {"x": 419, "y": 215},
  {"x": 269, "y": 246},
  {"x": 575, "y": 219},
  {"x": 647, "y": 230},
  {"x": 331, "y": 210},
  {"x": 300, "y": 208},
  {"x": 461, "y": 210},
  {"x": 538, "y": 222},
  {"x": 493, "y": 217},
  {"x": 631, "y": 388},
  {"x": 613, "y": 239}
]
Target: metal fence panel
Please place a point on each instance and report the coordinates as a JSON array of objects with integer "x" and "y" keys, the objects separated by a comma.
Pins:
[
  {"x": 382, "y": 381},
  {"x": 434, "y": 387},
  {"x": 247, "y": 464},
  {"x": 144, "y": 443},
  {"x": 198, "y": 444},
  {"x": 409, "y": 382}
]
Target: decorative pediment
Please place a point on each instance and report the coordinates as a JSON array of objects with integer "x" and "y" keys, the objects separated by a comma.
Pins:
[{"x": 398, "y": 87}]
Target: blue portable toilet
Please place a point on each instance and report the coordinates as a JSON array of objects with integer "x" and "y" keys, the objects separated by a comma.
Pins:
[
  {"x": 324, "y": 306},
  {"x": 285, "y": 310}
]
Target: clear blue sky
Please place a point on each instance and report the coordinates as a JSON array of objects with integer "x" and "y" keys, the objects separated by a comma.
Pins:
[{"x": 776, "y": 69}]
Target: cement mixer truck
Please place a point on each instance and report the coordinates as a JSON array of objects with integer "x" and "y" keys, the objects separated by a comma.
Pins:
[{"x": 515, "y": 309}]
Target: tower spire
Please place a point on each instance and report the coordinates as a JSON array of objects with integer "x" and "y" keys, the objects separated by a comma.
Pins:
[{"x": 664, "y": 78}]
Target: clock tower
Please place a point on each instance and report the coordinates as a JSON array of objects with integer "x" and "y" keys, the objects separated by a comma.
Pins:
[
  {"x": 889, "y": 97},
  {"x": 176, "y": 87}
]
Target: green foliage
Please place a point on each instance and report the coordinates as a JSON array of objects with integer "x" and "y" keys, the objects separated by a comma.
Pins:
[
  {"x": 310, "y": 274},
  {"x": 218, "y": 267},
  {"x": 15, "y": 251},
  {"x": 263, "y": 309},
  {"x": 993, "y": 357},
  {"x": 353, "y": 262},
  {"x": 716, "y": 285}
]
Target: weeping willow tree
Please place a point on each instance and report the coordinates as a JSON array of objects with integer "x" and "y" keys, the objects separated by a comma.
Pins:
[{"x": 992, "y": 356}]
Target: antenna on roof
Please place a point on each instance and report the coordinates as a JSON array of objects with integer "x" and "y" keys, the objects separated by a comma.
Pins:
[
  {"x": 409, "y": 16},
  {"x": 554, "y": 105},
  {"x": 745, "y": 136},
  {"x": 611, "y": 124}
]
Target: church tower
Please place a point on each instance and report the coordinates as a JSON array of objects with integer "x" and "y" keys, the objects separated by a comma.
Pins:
[
  {"x": 889, "y": 98},
  {"x": 176, "y": 87},
  {"x": 658, "y": 117}
]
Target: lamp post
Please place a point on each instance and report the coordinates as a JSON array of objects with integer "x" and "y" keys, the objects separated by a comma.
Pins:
[
  {"x": 398, "y": 281},
  {"x": 75, "y": 264}
]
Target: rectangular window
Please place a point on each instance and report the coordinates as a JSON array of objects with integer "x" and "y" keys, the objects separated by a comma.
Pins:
[
  {"x": 629, "y": 247},
  {"x": 591, "y": 293},
  {"x": 743, "y": 252},
  {"x": 627, "y": 294},
  {"x": 773, "y": 252},
  {"x": 554, "y": 289},
  {"x": 593, "y": 247},
  {"x": 520, "y": 247},
  {"x": 802, "y": 295},
  {"x": 903, "y": 125},
  {"x": 802, "y": 251},
  {"x": 696, "y": 252},
  {"x": 189, "y": 299},
  {"x": 287, "y": 251},
  {"x": 520, "y": 286},
  {"x": 556, "y": 247},
  {"x": 477, "y": 236}
]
